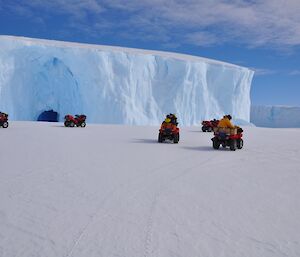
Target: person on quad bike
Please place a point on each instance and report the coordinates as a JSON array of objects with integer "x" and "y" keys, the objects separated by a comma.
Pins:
[
  {"x": 173, "y": 118},
  {"x": 225, "y": 122},
  {"x": 166, "y": 122},
  {"x": 168, "y": 131},
  {"x": 227, "y": 134}
]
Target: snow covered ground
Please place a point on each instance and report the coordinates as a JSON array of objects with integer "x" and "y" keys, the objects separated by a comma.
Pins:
[{"x": 114, "y": 191}]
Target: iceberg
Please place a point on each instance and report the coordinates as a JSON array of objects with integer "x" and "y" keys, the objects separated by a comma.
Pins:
[
  {"x": 117, "y": 85},
  {"x": 276, "y": 116}
]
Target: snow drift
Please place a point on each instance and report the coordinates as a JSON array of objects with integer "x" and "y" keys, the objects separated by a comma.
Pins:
[
  {"x": 276, "y": 116},
  {"x": 117, "y": 85}
]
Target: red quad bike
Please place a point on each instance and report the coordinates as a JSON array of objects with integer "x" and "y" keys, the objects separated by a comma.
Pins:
[
  {"x": 168, "y": 133},
  {"x": 209, "y": 125},
  {"x": 78, "y": 121},
  {"x": 3, "y": 120},
  {"x": 233, "y": 140}
]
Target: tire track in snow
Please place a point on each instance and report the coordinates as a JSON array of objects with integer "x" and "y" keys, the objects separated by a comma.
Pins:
[
  {"x": 116, "y": 191},
  {"x": 90, "y": 221},
  {"x": 153, "y": 206},
  {"x": 135, "y": 185},
  {"x": 149, "y": 228},
  {"x": 282, "y": 155},
  {"x": 271, "y": 247}
]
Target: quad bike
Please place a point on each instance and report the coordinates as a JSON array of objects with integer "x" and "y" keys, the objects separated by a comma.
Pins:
[
  {"x": 228, "y": 137},
  {"x": 78, "y": 121},
  {"x": 168, "y": 133},
  {"x": 3, "y": 120},
  {"x": 209, "y": 125}
]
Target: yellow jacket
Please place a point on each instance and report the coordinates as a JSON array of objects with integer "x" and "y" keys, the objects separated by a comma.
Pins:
[{"x": 225, "y": 123}]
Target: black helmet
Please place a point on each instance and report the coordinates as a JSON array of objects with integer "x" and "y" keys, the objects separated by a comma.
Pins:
[{"x": 229, "y": 116}]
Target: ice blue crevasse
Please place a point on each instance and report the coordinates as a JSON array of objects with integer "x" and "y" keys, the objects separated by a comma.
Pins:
[{"x": 117, "y": 85}]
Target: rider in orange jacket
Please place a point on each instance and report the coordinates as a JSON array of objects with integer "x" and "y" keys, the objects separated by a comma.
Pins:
[
  {"x": 225, "y": 122},
  {"x": 167, "y": 123}
]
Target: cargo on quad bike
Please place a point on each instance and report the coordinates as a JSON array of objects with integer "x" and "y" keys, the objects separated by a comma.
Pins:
[
  {"x": 3, "y": 120},
  {"x": 78, "y": 120},
  {"x": 228, "y": 137},
  {"x": 209, "y": 125},
  {"x": 168, "y": 132}
]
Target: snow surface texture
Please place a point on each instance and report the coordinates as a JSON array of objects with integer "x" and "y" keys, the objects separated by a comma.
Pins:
[
  {"x": 109, "y": 190},
  {"x": 117, "y": 85},
  {"x": 276, "y": 116}
]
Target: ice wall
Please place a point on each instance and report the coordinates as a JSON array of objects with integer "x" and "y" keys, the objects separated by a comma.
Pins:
[
  {"x": 276, "y": 116},
  {"x": 117, "y": 85}
]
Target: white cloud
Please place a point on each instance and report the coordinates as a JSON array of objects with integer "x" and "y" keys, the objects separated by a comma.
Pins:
[
  {"x": 255, "y": 23},
  {"x": 263, "y": 72},
  {"x": 75, "y": 8},
  {"x": 295, "y": 73},
  {"x": 202, "y": 38}
]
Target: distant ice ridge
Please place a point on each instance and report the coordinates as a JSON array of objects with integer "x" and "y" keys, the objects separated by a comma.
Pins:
[
  {"x": 117, "y": 85},
  {"x": 276, "y": 116}
]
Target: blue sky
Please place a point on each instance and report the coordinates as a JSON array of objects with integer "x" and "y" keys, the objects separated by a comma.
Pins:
[{"x": 263, "y": 35}]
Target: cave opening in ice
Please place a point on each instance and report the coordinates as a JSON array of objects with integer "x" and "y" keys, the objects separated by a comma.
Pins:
[{"x": 50, "y": 116}]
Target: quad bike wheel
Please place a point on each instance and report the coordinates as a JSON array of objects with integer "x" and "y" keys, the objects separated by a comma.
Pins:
[
  {"x": 160, "y": 138},
  {"x": 240, "y": 143},
  {"x": 203, "y": 129},
  {"x": 232, "y": 145},
  {"x": 176, "y": 139},
  {"x": 216, "y": 143},
  {"x": 83, "y": 124},
  {"x": 5, "y": 124},
  {"x": 71, "y": 124}
]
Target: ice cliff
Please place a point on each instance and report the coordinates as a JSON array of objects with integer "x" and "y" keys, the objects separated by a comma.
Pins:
[
  {"x": 276, "y": 116},
  {"x": 117, "y": 85}
]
